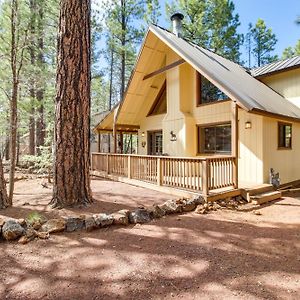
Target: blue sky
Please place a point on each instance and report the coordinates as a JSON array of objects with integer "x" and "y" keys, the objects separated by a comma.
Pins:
[{"x": 280, "y": 15}]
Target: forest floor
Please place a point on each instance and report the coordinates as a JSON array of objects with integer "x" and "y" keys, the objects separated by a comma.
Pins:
[{"x": 222, "y": 255}]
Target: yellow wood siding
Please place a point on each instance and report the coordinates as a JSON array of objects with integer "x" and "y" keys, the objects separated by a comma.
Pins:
[
  {"x": 250, "y": 149},
  {"x": 286, "y": 162},
  {"x": 286, "y": 84}
]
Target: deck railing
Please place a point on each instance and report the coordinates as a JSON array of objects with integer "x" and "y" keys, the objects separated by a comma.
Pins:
[{"x": 196, "y": 174}]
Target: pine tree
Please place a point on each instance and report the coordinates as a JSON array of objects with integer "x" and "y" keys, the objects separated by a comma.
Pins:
[
  {"x": 291, "y": 51},
  {"x": 211, "y": 24},
  {"x": 264, "y": 41},
  {"x": 72, "y": 123}
]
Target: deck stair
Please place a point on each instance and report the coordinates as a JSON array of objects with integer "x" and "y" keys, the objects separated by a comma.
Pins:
[{"x": 261, "y": 194}]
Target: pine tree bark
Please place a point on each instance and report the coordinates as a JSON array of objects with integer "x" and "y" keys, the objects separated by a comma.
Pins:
[
  {"x": 32, "y": 92},
  {"x": 14, "y": 100},
  {"x": 72, "y": 123},
  {"x": 40, "y": 123},
  {"x": 3, "y": 193}
]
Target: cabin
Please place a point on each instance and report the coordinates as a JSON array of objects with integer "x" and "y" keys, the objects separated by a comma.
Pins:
[{"x": 203, "y": 123}]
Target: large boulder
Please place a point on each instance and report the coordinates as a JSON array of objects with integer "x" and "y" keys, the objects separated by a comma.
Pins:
[
  {"x": 139, "y": 216},
  {"x": 74, "y": 223},
  {"x": 103, "y": 220},
  {"x": 12, "y": 230},
  {"x": 54, "y": 225},
  {"x": 121, "y": 217},
  {"x": 171, "y": 207}
]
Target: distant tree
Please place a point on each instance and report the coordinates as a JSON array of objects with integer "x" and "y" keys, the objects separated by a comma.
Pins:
[
  {"x": 72, "y": 122},
  {"x": 211, "y": 24},
  {"x": 298, "y": 20},
  {"x": 263, "y": 41},
  {"x": 3, "y": 194},
  {"x": 291, "y": 51}
]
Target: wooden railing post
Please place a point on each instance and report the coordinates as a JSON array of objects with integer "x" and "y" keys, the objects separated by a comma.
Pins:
[
  {"x": 129, "y": 166},
  {"x": 159, "y": 172},
  {"x": 205, "y": 175},
  {"x": 235, "y": 172},
  {"x": 107, "y": 164}
]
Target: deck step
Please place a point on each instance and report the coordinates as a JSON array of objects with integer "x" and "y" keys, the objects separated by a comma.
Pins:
[
  {"x": 248, "y": 192},
  {"x": 265, "y": 197}
]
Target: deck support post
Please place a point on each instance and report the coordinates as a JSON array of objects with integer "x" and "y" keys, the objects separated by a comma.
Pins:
[
  {"x": 107, "y": 164},
  {"x": 115, "y": 133},
  {"x": 129, "y": 166},
  {"x": 159, "y": 172},
  {"x": 99, "y": 142},
  {"x": 234, "y": 141},
  {"x": 205, "y": 175}
]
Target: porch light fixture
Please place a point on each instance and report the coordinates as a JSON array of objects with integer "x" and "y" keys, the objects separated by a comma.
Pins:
[
  {"x": 143, "y": 144},
  {"x": 143, "y": 134},
  {"x": 248, "y": 125},
  {"x": 173, "y": 136}
]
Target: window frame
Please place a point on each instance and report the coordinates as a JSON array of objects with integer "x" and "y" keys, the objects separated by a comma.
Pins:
[
  {"x": 216, "y": 124},
  {"x": 199, "y": 94},
  {"x": 279, "y": 124}
]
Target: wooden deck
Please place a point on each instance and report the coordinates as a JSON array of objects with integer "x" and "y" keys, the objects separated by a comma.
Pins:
[{"x": 193, "y": 175}]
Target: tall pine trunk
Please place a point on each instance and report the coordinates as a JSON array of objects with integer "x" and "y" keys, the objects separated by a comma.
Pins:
[
  {"x": 123, "y": 43},
  {"x": 32, "y": 92},
  {"x": 14, "y": 100},
  {"x": 72, "y": 122},
  {"x": 40, "y": 124},
  {"x": 3, "y": 194}
]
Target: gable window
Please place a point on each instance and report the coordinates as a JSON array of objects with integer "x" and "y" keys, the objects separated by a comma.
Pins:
[
  {"x": 160, "y": 104},
  {"x": 207, "y": 92},
  {"x": 214, "y": 139},
  {"x": 284, "y": 135}
]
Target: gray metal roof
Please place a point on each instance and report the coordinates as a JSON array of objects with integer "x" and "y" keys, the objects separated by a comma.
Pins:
[
  {"x": 229, "y": 77},
  {"x": 278, "y": 66}
]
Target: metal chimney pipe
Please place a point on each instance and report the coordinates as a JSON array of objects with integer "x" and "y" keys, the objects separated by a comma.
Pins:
[{"x": 177, "y": 24}]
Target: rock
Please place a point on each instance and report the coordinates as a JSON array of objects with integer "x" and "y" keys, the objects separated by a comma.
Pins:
[
  {"x": 90, "y": 224},
  {"x": 223, "y": 203},
  {"x": 121, "y": 217},
  {"x": 36, "y": 225},
  {"x": 257, "y": 212},
  {"x": 54, "y": 225},
  {"x": 12, "y": 230},
  {"x": 171, "y": 207},
  {"x": 157, "y": 212},
  {"x": 198, "y": 200},
  {"x": 201, "y": 209},
  {"x": 22, "y": 222},
  {"x": 103, "y": 220},
  {"x": 74, "y": 223},
  {"x": 216, "y": 206},
  {"x": 24, "y": 240},
  {"x": 43, "y": 235},
  {"x": 139, "y": 216},
  {"x": 189, "y": 205},
  {"x": 30, "y": 233}
]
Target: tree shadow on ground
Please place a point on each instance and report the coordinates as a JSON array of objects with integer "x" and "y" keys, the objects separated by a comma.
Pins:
[{"x": 189, "y": 257}]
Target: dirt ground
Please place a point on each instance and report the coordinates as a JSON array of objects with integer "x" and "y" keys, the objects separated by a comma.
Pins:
[{"x": 221, "y": 255}]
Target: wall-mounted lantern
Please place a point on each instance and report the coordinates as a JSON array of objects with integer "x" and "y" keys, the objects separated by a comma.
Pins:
[
  {"x": 143, "y": 134},
  {"x": 143, "y": 144},
  {"x": 248, "y": 125},
  {"x": 173, "y": 136}
]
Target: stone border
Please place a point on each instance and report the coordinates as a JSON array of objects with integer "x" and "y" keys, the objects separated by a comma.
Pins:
[{"x": 13, "y": 229}]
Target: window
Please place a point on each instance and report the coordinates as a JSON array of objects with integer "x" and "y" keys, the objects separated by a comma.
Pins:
[
  {"x": 284, "y": 136},
  {"x": 160, "y": 104},
  {"x": 155, "y": 142},
  {"x": 214, "y": 139},
  {"x": 207, "y": 92}
]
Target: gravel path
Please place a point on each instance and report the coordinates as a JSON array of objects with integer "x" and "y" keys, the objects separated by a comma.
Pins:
[{"x": 222, "y": 255}]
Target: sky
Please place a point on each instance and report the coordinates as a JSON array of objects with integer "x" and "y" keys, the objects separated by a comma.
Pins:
[{"x": 280, "y": 15}]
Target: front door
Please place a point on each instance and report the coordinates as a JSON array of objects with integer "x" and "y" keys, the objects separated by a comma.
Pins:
[{"x": 155, "y": 142}]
